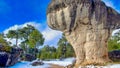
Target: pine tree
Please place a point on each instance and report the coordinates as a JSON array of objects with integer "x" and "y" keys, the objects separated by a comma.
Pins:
[
  {"x": 64, "y": 48},
  {"x": 14, "y": 34},
  {"x": 35, "y": 39}
]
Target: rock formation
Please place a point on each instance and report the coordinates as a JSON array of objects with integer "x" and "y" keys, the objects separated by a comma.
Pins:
[
  {"x": 87, "y": 25},
  {"x": 114, "y": 55},
  {"x": 9, "y": 58}
]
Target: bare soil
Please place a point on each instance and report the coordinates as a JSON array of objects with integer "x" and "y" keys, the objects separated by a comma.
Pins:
[{"x": 55, "y": 66}]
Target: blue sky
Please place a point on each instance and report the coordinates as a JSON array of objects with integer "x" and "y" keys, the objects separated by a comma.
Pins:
[
  {"x": 114, "y": 4},
  {"x": 16, "y": 13},
  {"x": 20, "y": 11}
]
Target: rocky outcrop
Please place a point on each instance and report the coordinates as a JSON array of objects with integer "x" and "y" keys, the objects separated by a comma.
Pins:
[
  {"x": 87, "y": 25},
  {"x": 14, "y": 56},
  {"x": 9, "y": 58},
  {"x": 3, "y": 58}
]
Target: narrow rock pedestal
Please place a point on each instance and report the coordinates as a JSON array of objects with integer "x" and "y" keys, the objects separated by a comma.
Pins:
[{"x": 87, "y": 25}]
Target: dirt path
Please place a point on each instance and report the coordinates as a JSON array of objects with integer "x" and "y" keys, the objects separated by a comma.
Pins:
[{"x": 55, "y": 66}]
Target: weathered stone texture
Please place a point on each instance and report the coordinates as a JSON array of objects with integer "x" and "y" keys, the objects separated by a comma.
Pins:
[{"x": 87, "y": 25}]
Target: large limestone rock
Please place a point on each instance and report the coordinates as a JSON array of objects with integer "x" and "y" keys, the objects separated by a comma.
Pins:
[{"x": 87, "y": 25}]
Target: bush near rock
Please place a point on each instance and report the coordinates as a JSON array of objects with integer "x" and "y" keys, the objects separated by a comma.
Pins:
[
  {"x": 114, "y": 55},
  {"x": 5, "y": 48}
]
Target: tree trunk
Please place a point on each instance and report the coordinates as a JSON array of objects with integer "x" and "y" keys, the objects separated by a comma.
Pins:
[{"x": 16, "y": 41}]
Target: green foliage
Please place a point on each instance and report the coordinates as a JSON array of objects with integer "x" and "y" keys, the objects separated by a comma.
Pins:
[
  {"x": 14, "y": 34},
  {"x": 25, "y": 33},
  {"x": 23, "y": 46},
  {"x": 113, "y": 45},
  {"x": 114, "y": 42},
  {"x": 3, "y": 41},
  {"x": 35, "y": 39},
  {"x": 4, "y": 44},
  {"x": 32, "y": 39},
  {"x": 7, "y": 48},
  {"x": 64, "y": 48},
  {"x": 48, "y": 52},
  {"x": 70, "y": 51}
]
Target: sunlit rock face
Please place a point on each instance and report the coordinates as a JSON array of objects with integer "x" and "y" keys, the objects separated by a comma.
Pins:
[{"x": 87, "y": 25}]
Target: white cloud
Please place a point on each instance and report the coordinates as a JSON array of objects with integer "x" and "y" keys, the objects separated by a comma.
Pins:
[
  {"x": 49, "y": 34},
  {"x": 36, "y": 25},
  {"x": 13, "y": 41}
]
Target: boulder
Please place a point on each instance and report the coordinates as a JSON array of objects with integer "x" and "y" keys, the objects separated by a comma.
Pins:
[
  {"x": 87, "y": 25},
  {"x": 3, "y": 58},
  {"x": 9, "y": 58},
  {"x": 29, "y": 57},
  {"x": 37, "y": 63},
  {"x": 114, "y": 55}
]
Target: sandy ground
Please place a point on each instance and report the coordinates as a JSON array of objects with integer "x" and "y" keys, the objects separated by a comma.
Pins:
[{"x": 55, "y": 66}]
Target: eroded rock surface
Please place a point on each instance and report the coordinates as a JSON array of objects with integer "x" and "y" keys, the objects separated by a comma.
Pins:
[
  {"x": 87, "y": 25},
  {"x": 9, "y": 58}
]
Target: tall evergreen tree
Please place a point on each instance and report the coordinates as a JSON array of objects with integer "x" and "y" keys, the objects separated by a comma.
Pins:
[
  {"x": 35, "y": 39},
  {"x": 64, "y": 48},
  {"x": 14, "y": 34},
  {"x": 25, "y": 33}
]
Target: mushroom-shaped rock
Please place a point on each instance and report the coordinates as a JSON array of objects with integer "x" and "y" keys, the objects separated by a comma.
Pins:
[{"x": 87, "y": 25}]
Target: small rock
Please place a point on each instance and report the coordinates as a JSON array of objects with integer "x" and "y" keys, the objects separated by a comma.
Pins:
[
  {"x": 29, "y": 57},
  {"x": 37, "y": 63},
  {"x": 114, "y": 55}
]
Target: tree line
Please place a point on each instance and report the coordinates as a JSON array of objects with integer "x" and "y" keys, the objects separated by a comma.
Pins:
[
  {"x": 63, "y": 50},
  {"x": 31, "y": 40}
]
